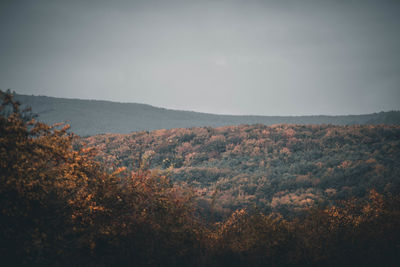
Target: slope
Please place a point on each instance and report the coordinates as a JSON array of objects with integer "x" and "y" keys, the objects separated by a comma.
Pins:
[{"x": 90, "y": 117}]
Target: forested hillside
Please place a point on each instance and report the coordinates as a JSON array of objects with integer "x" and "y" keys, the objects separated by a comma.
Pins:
[
  {"x": 60, "y": 206},
  {"x": 276, "y": 168},
  {"x": 90, "y": 117}
]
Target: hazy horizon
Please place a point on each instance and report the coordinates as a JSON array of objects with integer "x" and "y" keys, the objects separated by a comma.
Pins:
[
  {"x": 268, "y": 58},
  {"x": 123, "y": 102}
]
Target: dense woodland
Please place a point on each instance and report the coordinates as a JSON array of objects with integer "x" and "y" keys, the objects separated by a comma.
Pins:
[
  {"x": 59, "y": 205},
  {"x": 280, "y": 168}
]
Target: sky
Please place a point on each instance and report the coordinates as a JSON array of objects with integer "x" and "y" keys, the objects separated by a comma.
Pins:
[{"x": 242, "y": 57}]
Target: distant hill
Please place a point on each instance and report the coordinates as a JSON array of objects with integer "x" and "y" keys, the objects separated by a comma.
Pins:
[{"x": 90, "y": 117}]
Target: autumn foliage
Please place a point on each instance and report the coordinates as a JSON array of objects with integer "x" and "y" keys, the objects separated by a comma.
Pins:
[
  {"x": 59, "y": 206},
  {"x": 280, "y": 168}
]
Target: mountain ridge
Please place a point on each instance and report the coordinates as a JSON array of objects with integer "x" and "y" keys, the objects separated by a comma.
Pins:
[{"x": 90, "y": 117}]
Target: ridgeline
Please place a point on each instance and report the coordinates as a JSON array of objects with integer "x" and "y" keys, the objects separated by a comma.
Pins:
[{"x": 90, "y": 117}]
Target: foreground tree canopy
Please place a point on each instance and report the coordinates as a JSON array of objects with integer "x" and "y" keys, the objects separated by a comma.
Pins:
[{"x": 59, "y": 206}]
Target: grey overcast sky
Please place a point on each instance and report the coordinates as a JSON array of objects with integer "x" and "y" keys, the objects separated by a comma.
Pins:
[{"x": 298, "y": 57}]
